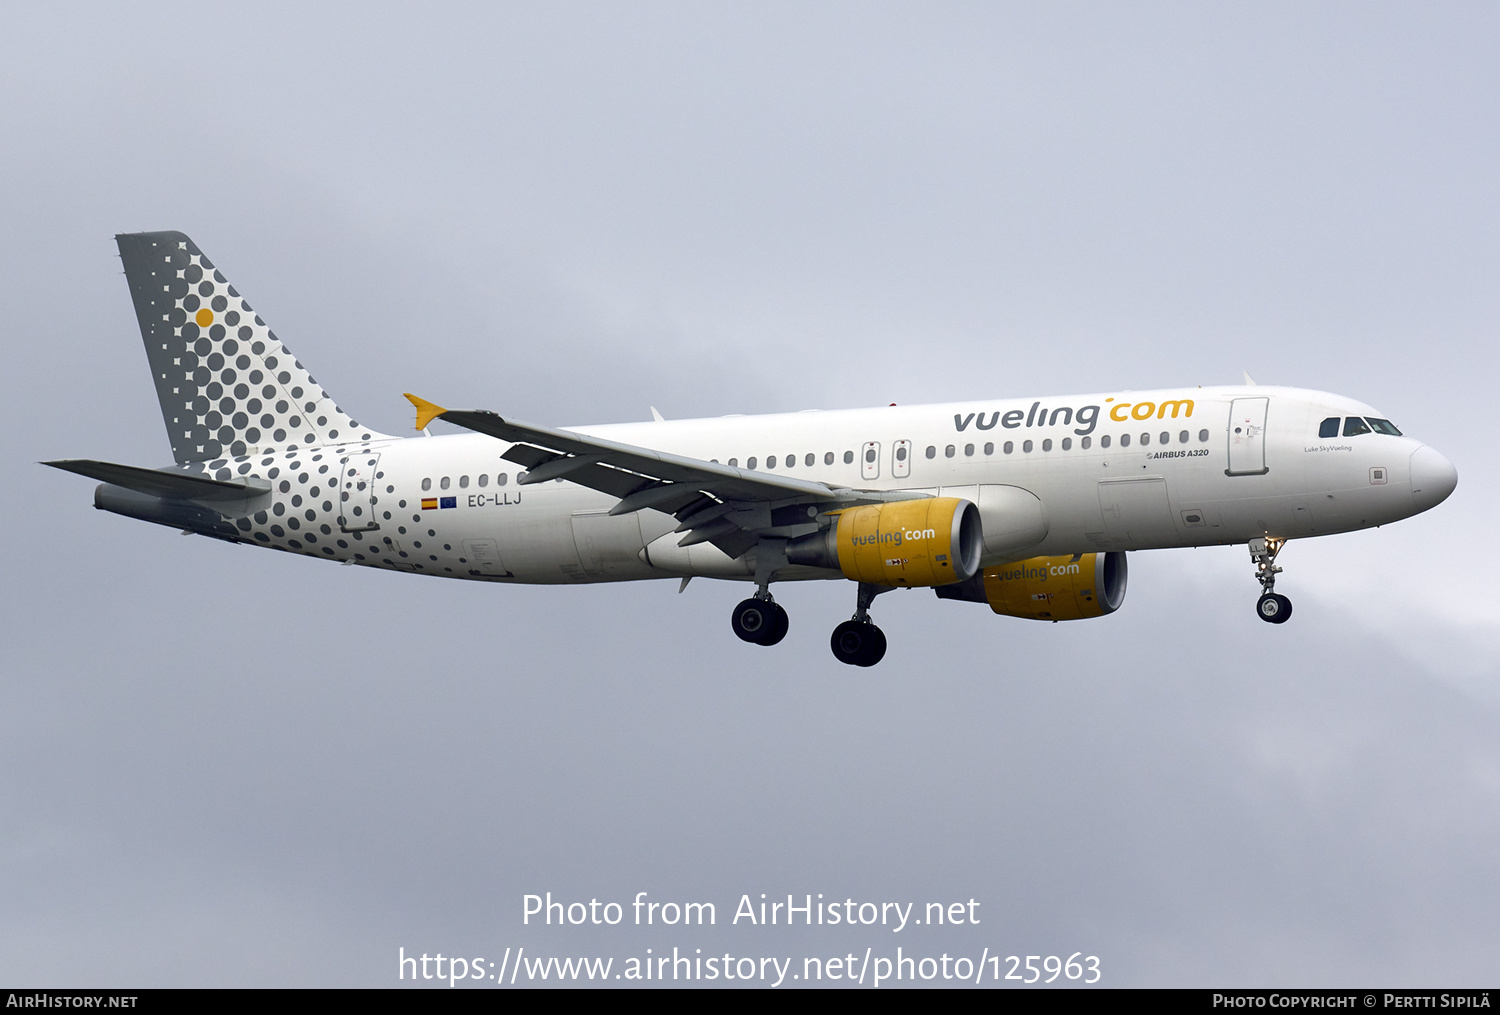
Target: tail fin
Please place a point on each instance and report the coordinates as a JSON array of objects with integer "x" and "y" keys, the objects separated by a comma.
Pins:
[{"x": 226, "y": 384}]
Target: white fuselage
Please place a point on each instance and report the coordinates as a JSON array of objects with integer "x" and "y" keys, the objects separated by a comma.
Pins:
[{"x": 1123, "y": 471}]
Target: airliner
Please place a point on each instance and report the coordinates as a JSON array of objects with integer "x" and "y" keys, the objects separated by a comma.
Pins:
[{"x": 1027, "y": 505}]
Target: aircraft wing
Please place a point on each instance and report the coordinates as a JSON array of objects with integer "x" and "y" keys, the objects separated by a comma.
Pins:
[{"x": 728, "y": 506}]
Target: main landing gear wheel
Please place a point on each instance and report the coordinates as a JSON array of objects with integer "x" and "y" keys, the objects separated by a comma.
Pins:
[
  {"x": 1274, "y": 608},
  {"x": 760, "y": 622},
  {"x": 858, "y": 643}
]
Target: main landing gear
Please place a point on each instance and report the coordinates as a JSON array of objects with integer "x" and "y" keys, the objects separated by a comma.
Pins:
[
  {"x": 857, "y": 641},
  {"x": 759, "y": 620},
  {"x": 1272, "y": 607}
]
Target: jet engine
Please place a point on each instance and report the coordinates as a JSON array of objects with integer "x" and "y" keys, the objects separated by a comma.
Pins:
[
  {"x": 905, "y": 543},
  {"x": 1048, "y": 588}
]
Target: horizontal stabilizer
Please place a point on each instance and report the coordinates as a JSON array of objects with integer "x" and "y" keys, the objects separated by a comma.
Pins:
[{"x": 164, "y": 483}]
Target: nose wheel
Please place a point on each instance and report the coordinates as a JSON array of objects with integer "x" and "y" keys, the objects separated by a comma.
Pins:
[
  {"x": 1272, "y": 607},
  {"x": 857, "y": 642}
]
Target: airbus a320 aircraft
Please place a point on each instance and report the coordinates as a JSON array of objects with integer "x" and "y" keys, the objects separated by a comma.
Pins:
[{"x": 1028, "y": 505}]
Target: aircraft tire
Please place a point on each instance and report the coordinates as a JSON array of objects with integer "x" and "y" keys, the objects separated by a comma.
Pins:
[
  {"x": 1274, "y": 608},
  {"x": 755, "y": 621},
  {"x": 780, "y": 622},
  {"x": 858, "y": 644}
]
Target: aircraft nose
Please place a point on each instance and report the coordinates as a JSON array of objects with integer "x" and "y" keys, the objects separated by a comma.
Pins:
[{"x": 1433, "y": 477}]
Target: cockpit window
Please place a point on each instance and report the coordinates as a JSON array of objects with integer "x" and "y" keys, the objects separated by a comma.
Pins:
[
  {"x": 1384, "y": 426},
  {"x": 1354, "y": 426},
  {"x": 1329, "y": 427}
]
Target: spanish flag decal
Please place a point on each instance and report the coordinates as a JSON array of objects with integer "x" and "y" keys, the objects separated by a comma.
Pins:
[{"x": 429, "y": 504}]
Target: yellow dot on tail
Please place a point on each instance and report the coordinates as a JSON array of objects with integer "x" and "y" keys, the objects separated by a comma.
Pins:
[{"x": 205, "y": 317}]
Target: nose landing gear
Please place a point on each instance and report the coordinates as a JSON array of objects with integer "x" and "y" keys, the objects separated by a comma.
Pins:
[
  {"x": 858, "y": 642},
  {"x": 1272, "y": 607}
]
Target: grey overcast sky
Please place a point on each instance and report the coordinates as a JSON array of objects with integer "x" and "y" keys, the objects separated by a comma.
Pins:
[{"x": 219, "y": 766}]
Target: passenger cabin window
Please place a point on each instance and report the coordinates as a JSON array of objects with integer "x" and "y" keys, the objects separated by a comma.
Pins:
[
  {"x": 1384, "y": 426},
  {"x": 1329, "y": 427},
  {"x": 1354, "y": 426},
  {"x": 849, "y": 457}
]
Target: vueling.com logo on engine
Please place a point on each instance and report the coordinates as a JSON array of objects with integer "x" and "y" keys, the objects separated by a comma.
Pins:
[
  {"x": 1028, "y": 570},
  {"x": 894, "y": 538}
]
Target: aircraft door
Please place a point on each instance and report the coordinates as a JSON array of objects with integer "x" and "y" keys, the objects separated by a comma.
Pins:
[
  {"x": 901, "y": 459},
  {"x": 869, "y": 460},
  {"x": 1247, "y": 437},
  {"x": 357, "y": 497}
]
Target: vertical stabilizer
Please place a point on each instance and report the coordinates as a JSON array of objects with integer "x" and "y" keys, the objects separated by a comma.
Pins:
[{"x": 226, "y": 384}]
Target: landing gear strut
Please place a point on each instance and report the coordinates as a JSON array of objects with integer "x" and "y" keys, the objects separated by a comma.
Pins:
[
  {"x": 1272, "y": 607},
  {"x": 758, "y": 619},
  {"x": 857, "y": 641}
]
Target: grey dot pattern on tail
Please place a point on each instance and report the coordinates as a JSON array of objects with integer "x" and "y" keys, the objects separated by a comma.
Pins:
[
  {"x": 249, "y": 394},
  {"x": 228, "y": 386}
]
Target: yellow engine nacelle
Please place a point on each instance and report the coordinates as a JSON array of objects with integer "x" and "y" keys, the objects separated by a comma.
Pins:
[
  {"x": 1072, "y": 587},
  {"x": 911, "y": 543}
]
